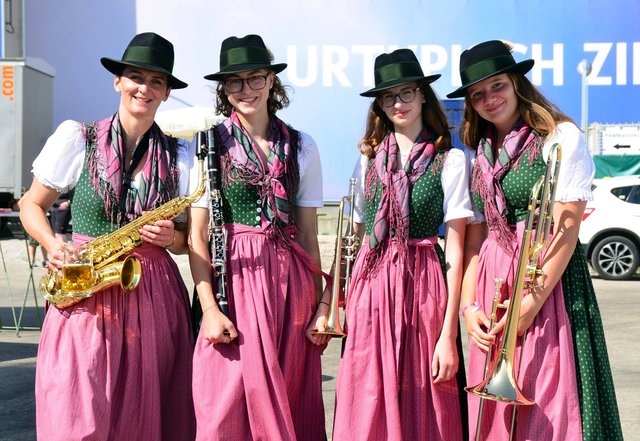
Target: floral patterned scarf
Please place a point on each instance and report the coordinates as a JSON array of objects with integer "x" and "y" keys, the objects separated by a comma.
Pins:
[
  {"x": 276, "y": 180},
  {"x": 488, "y": 173},
  {"x": 392, "y": 214},
  {"x": 106, "y": 155}
]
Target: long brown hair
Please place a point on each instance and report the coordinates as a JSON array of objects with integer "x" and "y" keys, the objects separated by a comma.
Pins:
[
  {"x": 379, "y": 125},
  {"x": 278, "y": 98},
  {"x": 536, "y": 111}
]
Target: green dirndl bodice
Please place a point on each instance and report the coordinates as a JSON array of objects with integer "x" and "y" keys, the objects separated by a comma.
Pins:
[
  {"x": 87, "y": 210},
  {"x": 426, "y": 211}
]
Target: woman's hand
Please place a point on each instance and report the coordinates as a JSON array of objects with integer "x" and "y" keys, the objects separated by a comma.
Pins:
[
  {"x": 160, "y": 233},
  {"x": 445, "y": 360},
  {"x": 319, "y": 324},
  {"x": 217, "y": 326},
  {"x": 477, "y": 322},
  {"x": 528, "y": 311},
  {"x": 64, "y": 205},
  {"x": 57, "y": 252}
]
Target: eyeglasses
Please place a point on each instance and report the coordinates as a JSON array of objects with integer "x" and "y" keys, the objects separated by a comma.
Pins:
[
  {"x": 406, "y": 96},
  {"x": 256, "y": 82}
]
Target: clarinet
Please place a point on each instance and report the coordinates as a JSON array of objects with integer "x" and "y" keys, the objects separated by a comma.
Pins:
[{"x": 217, "y": 231}]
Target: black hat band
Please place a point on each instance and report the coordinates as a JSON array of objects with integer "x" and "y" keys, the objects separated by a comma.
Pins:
[
  {"x": 486, "y": 68},
  {"x": 244, "y": 55},
  {"x": 148, "y": 54},
  {"x": 394, "y": 71}
]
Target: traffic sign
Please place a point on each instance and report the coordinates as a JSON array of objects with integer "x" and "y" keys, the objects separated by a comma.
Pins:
[{"x": 620, "y": 139}]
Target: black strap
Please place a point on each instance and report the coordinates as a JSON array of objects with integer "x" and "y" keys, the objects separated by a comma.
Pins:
[{"x": 127, "y": 175}]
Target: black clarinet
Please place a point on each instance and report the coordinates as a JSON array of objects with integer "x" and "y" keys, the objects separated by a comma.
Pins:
[{"x": 217, "y": 231}]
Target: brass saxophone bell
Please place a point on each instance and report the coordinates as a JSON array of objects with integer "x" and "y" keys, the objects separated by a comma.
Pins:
[
  {"x": 126, "y": 273},
  {"x": 104, "y": 252}
]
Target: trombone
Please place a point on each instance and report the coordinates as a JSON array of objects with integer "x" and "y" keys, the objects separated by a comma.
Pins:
[
  {"x": 347, "y": 243},
  {"x": 499, "y": 383}
]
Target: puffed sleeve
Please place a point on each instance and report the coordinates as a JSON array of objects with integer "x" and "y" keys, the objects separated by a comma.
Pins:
[
  {"x": 60, "y": 162},
  {"x": 359, "y": 174},
  {"x": 310, "y": 187},
  {"x": 455, "y": 185},
  {"x": 477, "y": 217},
  {"x": 186, "y": 160},
  {"x": 194, "y": 177},
  {"x": 576, "y": 167},
  {"x": 185, "y": 164}
]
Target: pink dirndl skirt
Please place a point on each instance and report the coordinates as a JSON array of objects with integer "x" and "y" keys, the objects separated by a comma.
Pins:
[
  {"x": 385, "y": 390},
  {"x": 117, "y": 366},
  {"x": 548, "y": 374},
  {"x": 266, "y": 385}
]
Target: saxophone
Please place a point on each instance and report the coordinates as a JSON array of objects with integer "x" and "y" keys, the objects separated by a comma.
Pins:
[{"x": 103, "y": 253}]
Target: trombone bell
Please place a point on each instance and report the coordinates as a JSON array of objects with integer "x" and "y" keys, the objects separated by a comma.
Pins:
[{"x": 501, "y": 386}]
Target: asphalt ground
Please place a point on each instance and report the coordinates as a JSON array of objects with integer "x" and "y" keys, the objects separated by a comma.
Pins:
[{"x": 619, "y": 304}]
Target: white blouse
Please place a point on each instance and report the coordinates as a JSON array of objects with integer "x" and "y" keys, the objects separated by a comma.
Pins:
[
  {"x": 455, "y": 185},
  {"x": 310, "y": 185},
  {"x": 577, "y": 169},
  {"x": 61, "y": 160}
]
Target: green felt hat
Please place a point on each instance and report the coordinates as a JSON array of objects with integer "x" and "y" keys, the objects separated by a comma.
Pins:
[
  {"x": 485, "y": 60},
  {"x": 148, "y": 51},
  {"x": 399, "y": 67},
  {"x": 244, "y": 54}
]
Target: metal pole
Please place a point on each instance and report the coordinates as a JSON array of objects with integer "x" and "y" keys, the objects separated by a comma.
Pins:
[{"x": 584, "y": 69}]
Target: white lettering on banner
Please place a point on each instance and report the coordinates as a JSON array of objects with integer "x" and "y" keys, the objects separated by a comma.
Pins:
[
  {"x": 369, "y": 54},
  {"x": 433, "y": 58},
  {"x": 636, "y": 63},
  {"x": 621, "y": 63},
  {"x": 335, "y": 59},
  {"x": 602, "y": 51},
  {"x": 312, "y": 66},
  {"x": 333, "y": 65},
  {"x": 456, "y": 51},
  {"x": 556, "y": 64}
]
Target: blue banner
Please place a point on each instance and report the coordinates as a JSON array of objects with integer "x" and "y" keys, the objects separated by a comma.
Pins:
[{"x": 330, "y": 47}]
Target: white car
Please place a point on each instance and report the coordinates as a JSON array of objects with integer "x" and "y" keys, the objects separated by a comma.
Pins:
[{"x": 610, "y": 229}]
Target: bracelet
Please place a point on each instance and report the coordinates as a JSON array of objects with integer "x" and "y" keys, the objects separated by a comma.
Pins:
[
  {"x": 474, "y": 304},
  {"x": 174, "y": 240},
  {"x": 322, "y": 301},
  {"x": 537, "y": 288},
  {"x": 208, "y": 308}
]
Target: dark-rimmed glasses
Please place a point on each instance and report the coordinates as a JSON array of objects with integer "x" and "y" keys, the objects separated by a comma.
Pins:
[
  {"x": 255, "y": 82},
  {"x": 406, "y": 96}
]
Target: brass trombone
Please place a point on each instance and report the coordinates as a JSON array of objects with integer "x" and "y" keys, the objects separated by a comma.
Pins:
[
  {"x": 347, "y": 243},
  {"x": 499, "y": 383}
]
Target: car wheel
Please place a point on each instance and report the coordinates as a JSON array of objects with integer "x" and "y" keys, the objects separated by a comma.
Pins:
[{"x": 615, "y": 258}]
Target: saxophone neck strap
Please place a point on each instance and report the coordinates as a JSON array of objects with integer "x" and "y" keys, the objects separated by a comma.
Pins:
[{"x": 127, "y": 175}]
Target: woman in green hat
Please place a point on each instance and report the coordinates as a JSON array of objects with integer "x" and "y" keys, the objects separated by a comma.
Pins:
[
  {"x": 564, "y": 365},
  {"x": 397, "y": 378},
  {"x": 256, "y": 376},
  {"x": 117, "y": 366}
]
